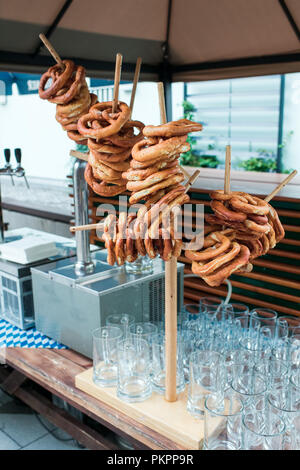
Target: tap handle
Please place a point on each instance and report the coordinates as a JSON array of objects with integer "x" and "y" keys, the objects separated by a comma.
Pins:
[
  {"x": 18, "y": 155},
  {"x": 7, "y": 155}
]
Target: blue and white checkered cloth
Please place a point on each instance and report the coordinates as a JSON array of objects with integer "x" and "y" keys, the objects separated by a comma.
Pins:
[{"x": 12, "y": 336}]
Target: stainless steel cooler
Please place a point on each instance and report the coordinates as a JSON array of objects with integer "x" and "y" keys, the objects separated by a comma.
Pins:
[{"x": 69, "y": 308}]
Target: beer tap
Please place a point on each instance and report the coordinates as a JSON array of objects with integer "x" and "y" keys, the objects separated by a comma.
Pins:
[
  {"x": 19, "y": 170},
  {"x": 7, "y": 169}
]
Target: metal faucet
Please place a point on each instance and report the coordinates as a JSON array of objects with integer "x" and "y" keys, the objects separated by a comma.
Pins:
[
  {"x": 19, "y": 170},
  {"x": 9, "y": 171}
]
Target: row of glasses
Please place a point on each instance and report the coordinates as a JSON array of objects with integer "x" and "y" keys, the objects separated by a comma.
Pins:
[
  {"x": 256, "y": 388},
  {"x": 230, "y": 424}
]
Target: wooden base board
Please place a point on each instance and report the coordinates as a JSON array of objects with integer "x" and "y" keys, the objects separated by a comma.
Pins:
[{"x": 170, "y": 419}]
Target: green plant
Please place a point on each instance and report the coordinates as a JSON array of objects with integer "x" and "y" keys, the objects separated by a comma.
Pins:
[
  {"x": 259, "y": 164},
  {"x": 192, "y": 157},
  {"x": 265, "y": 162}
]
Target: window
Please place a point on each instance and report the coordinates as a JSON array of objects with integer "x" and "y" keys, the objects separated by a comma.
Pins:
[{"x": 258, "y": 116}]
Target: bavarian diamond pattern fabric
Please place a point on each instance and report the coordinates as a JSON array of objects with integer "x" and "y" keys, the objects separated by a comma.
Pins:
[{"x": 12, "y": 336}]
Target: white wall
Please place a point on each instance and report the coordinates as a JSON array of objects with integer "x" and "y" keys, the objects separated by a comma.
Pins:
[{"x": 28, "y": 122}]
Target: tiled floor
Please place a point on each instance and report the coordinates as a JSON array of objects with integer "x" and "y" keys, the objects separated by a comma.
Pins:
[{"x": 21, "y": 429}]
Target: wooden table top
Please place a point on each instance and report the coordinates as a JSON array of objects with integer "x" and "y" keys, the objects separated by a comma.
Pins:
[{"x": 55, "y": 370}]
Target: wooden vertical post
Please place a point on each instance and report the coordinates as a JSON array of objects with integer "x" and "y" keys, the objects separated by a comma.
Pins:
[
  {"x": 170, "y": 298},
  {"x": 227, "y": 169}
]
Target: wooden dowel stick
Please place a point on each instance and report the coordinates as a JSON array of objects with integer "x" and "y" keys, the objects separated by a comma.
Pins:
[
  {"x": 170, "y": 297},
  {"x": 51, "y": 50},
  {"x": 163, "y": 114},
  {"x": 227, "y": 169},
  {"x": 191, "y": 180},
  {"x": 135, "y": 82},
  {"x": 117, "y": 78},
  {"x": 281, "y": 185},
  {"x": 80, "y": 228},
  {"x": 79, "y": 155}
]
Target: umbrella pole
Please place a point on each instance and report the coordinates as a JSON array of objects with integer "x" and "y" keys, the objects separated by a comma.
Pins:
[{"x": 170, "y": 299}]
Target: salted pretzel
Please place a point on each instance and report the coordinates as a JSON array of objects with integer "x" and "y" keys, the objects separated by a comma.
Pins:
[
  {"x": 110, "y": 138},
  {"x": 220, "y": 256},
  {"x": 241, "y": 219},
  {"x": 242, "y": 211},
  {"x": 174, "y": 128},
  {"x": 70, "y": 93},
  {"x": 125, "y": 238},
  {"x": 108, "y": 123}
]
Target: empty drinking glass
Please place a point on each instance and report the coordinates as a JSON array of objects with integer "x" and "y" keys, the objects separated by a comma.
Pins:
[
  {"x": 191, "y": 312},
  {"x": 287, "y": 326},
  {"x": 206, "y": 376},
  {"x": 143, "y": 330},
  {"x": 249, "y": 386},
  {"x": 275, "y": 371},
  {"x": 134, "y": 383},
  {"x": 105, "y": 341},
  {"x": 285, "y": 400},
  {"x": 262, "y": 430},
  {"x": 159, "y": 364},
  {"x": 121, "y": 320},
  {"x": 266, "y": 318},
  {"x": 238, "y": 310},
  {"x": 222, "y": 422}
]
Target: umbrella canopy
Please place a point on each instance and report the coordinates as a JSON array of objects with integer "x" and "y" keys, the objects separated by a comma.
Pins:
[
  {"x": 181, "y": 40},
  {"x": 27, "y": 83}
]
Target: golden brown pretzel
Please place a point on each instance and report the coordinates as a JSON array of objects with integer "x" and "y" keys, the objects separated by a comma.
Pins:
[
  {"x": 219, "y": 276},
  {"x": 102, "y": 188},
  {"x": 59, "y": 79},
  {"x": 77, "y": 106},
  {"x": 77, "y": 83},
  {"x": 220, "y": 244},
  {"x": 204, "y": 269},
  {"x": 138, "y": 196},
  {"x": 249, "y": 205},
  {"x": 96, "y": 113},
  {"x": 149, "y": 150},
  {"x": 155, "y": 178},
  {"x": 224, "y": 212},
  {"x": 276, "y": 224},
  {"x": 173, "y": 128}
]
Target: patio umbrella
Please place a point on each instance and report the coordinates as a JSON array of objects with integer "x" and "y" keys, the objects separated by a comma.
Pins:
[{"x": 178, "y": 40}]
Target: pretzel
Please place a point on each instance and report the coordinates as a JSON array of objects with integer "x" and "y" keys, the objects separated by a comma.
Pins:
[
  {"x": 102, "y": 188},
  {"x": 70, "y": 93},
  {"x": 204, "y": 269},
  {"x": 107, "y": 159},
  {"x": 214, "y": 249},
  {"x": 73, "y": 90},
  {"x": 276, "y": 224},
  {"x": 219, "y": 276},
  {"x": 249, "y": 204},
  {"x": 173, "y": 128},
  {"x": 109, "y": 124},
  {"x": 224, "y": 212},
  {"x": 59, "y": 77},
  {"x": 149, "y": 150}
]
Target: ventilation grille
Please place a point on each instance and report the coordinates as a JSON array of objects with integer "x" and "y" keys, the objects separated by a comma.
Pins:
[{"x": 156, "y": 299}]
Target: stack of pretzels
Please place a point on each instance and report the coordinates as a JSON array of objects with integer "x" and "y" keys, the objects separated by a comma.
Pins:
[
  {"x": 154, "y": 178},
  {"x": 154, "y": 168},
  {"x": 70, "y": 93},
  {"x": 110, "y": 140},
  {"x": 242, "y": 228}
]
